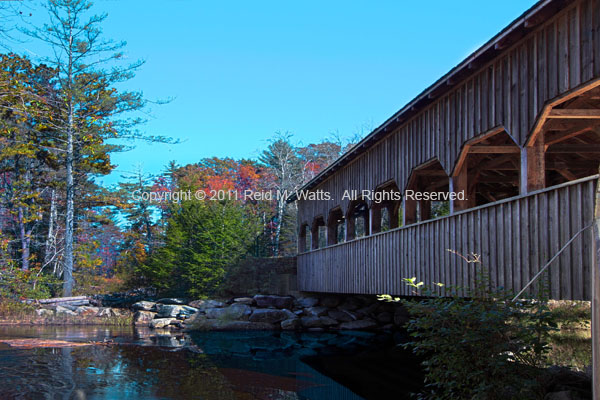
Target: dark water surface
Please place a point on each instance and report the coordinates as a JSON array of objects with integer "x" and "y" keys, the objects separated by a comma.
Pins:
[{"x": 145, "y": 364}]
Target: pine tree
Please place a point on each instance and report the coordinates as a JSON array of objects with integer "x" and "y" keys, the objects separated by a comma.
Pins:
[{"x": 89, "y": 109}]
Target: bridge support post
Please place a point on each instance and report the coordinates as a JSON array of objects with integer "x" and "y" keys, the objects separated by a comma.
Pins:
[
  {"x": 410, "y": 211},
  {"x": 596, "y": 299},
  {"x": 349, "y": 228},
  {"x": 533, "y": 166},
  {"x": 374, "y": 219},
  {"x": 458, "y": 183}
]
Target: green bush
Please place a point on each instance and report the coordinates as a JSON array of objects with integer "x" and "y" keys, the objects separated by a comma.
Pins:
[
  {"x": 482, "y": 346},
  {"x": 16, "y": 284}
]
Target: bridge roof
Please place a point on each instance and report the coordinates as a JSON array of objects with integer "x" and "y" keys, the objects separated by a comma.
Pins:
[{"x": 516, "y": 30}]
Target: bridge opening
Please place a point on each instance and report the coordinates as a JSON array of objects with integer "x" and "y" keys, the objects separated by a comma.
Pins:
[
  {"x": 319, "y": 233},
  {"x": 357, "y": 219},
  {"x": 386, "y": 208},
  {"x": 426, "y": 178},
  {"x": 567, "y": 145},
  {"x": 488, "y": 170},
  {"x": 304, "y": 239},
  {"x": 336, "y": 230}
]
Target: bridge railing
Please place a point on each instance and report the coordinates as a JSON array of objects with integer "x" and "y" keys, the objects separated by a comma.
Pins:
[{"x": 515, "y": 238}]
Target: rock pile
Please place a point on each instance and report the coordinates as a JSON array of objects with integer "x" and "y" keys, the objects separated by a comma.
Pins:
[
  {"x": 69, "y": 310},
  {"x": 269, "y": 312}
]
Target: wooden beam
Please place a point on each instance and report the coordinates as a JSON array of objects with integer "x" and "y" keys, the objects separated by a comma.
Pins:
[
  {"x": 482, "y": 149},
  {"x": 436, "y": 185},
  {"x": 496, "y": 164},
  {"x": 460, "y": 182},
  {"x": 498, "y": 179},
  {"x": 571, "y": 165},
  {"x": 560, "y": 136},
  {"x": 409, "y": 215},
  {"x": 430, "y": 173},
  {"x": 574, "y": 113},
  {"x": 574, "y": 148},
  {"x": 566, "y": 174},
  {"x": 596, "y": 299},
  {"x": 536, "y": 165}
]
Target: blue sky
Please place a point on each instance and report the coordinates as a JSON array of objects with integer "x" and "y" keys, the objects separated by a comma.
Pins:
[{"x": 238, "y": 71}]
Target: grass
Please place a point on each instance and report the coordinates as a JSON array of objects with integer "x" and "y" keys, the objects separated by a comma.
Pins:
[{"x": 571, "y": 344}]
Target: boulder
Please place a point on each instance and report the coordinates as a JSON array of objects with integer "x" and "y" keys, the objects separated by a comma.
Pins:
[
  {"x": 173, "y": 311},
  {"x": 171, "y": 300},
  {"x": 143, "y": 318},
  {"x": 306, "y": 302},
  {"x": 60, "y": 310},
  {"x": 269, "y": 315},
  {"x": 358, "y": 325},
  {"x": 236, "y": 311},
  {"x": 274, "y": 301},
  {"x": 107, "y": 312},
  {"x": 244, "y": 300},
  {"x": 326, "y": 321},
  {"x": 202, "y": 304},
  {"x": 290, "y": 324},
  {"x": 204, "y": 324},
  {"x": 384, "y": 317},
  {"x": 350, "y": 304},
  {"x": 245, "y": 326},
  {"x": 144, "y": 306},
  {"x": 87, "y": 311},
  {"x": 330, "y": 302},
  {"x": 368, "y": 310},
  {"x": 311, "y": 322},
  {"x": 315, "y": 311},
  {"x": 161, "y": 322},
  {"x": 43, "y": 312},
  {"x": 342, "y": 316}
]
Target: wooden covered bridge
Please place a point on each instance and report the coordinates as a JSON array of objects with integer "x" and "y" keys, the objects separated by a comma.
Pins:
[{"x": 515, "y": 127}]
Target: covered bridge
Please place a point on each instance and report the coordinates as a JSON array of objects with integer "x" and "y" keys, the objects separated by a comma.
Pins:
[{"x": 516, "y": 128}]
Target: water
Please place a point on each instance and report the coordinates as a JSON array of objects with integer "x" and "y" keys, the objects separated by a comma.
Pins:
[{"x": 144, "y": 364}]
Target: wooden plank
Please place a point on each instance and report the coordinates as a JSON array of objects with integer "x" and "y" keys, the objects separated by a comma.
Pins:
[
  {"x": 482, "y": 149},
  {"x": 576, "y": 207},
  {"x": 596, "y": 298},
  {"x": 568, "y": 113},
  {"x": 574, "y": 148},
  {"x": 536, "y": 165},
  {"x": 574, "y": 47}
]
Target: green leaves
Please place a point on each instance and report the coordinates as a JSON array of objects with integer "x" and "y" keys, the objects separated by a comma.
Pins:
[
  {"x": 203, "y": 239},
  {"x": 480, "y": 345}
]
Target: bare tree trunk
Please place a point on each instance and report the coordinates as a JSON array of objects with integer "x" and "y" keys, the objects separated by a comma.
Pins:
[
  {"x": 68, "y": 259},
  {"x": 70, "y": 212},
  {"x": 50, "y": 247},
  {"x": 280, "y": 209},
  {"x": 25, "y": 240}
]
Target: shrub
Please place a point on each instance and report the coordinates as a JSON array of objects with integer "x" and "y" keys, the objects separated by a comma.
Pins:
[
  {"x": 16, "y": 284},
  {"x": 482, "y": 346}
]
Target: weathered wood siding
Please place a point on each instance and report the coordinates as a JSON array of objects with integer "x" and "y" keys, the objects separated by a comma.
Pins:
[
  {"x": 515, "y": 238},
  {"x": 509, "y": 91}
]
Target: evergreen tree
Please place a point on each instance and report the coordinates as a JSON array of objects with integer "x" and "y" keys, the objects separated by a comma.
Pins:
[
  {"x": 89, "y": 109},
  {"x": 203, "y": 239}
]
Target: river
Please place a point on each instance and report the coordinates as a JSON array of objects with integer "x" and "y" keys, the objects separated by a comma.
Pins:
[{"x": 131, "y": 363}]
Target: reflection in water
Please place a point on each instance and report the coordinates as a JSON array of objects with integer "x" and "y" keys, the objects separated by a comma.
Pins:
[{"x": 142, "y": 364}]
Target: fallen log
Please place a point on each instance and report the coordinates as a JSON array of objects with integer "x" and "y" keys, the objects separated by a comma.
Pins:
[{"x": 57, "y": 300}]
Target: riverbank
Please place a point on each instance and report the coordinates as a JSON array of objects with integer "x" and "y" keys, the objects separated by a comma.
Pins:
[
  {"x": 271, "y": 312},
  {"x": 570, "y": 345}
]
